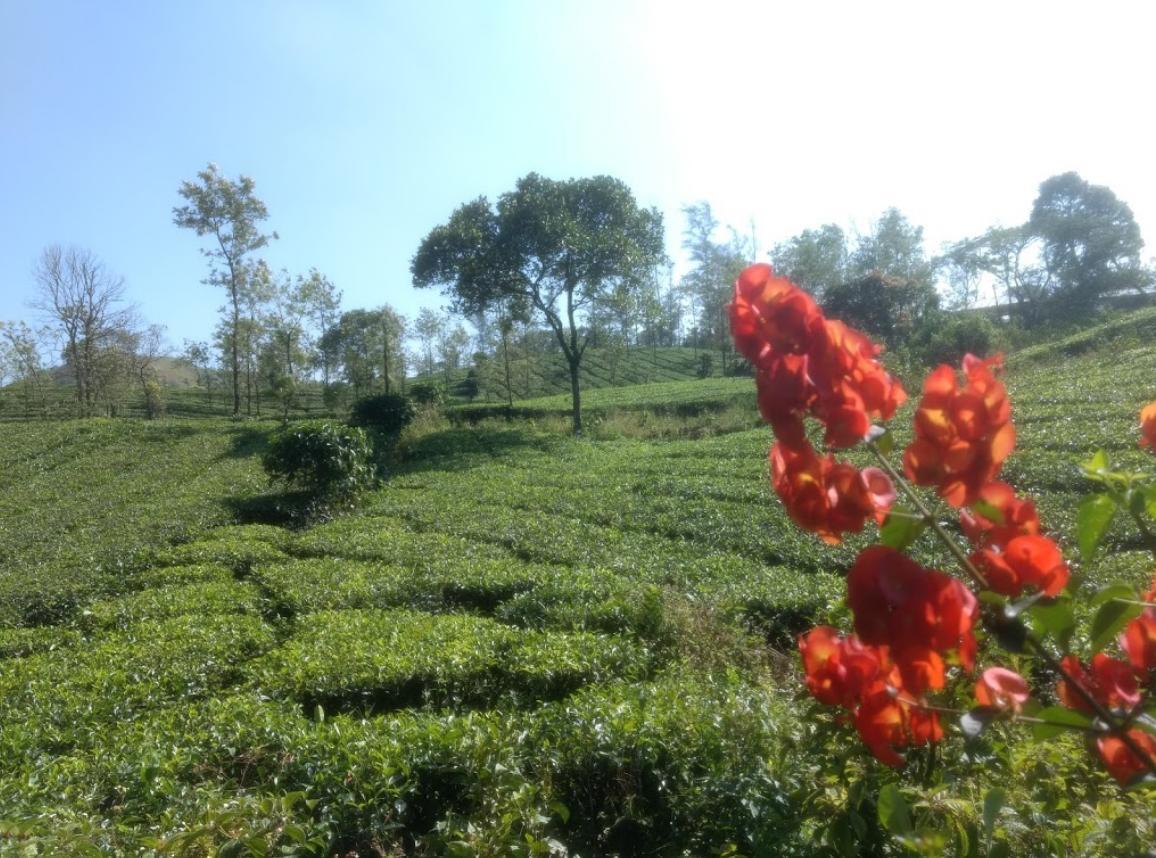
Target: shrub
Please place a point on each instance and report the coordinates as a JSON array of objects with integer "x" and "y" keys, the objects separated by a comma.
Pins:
[
  {"x": 387, "y": 413},
  {"x": 705, "y": 365},
  {"x": 427, "y": 393},
  {"x": 949, "y": 339},
  {"x": 326, "y": 460}
]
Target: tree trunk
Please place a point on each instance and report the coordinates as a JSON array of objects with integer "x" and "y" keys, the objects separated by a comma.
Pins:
[
  {"x": 509, "y": 382},
  {"x": 385, "y": 359},
  {"x": 575, "y": 394},
  {"x": 234, "y": 337}
]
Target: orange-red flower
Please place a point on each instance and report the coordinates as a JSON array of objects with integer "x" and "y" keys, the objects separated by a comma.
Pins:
[
  {"x": 962, "y": 434},
  {"x": 842, "y": 671},
  {"x": 1120, "y": 761},
  {"x": 824, "y": 496},
  {"x": 853, "y": 388},
  {"x": 1003, "y": 689},
  {"x": 1148, "y": 426},
  {"x": 919, "y": 614},
  {"x": 1025, "y": 561},
  {"x": 1138, "y": 640},
  {"x": 770, "y": 316},
  {"x": 1012, "y": 516},
  {"x": 1110, "y": 682},
  {"x": 807, "y": 364},
  {"x": 887, "y": 722},
  {"x": 838, "y": 668}
]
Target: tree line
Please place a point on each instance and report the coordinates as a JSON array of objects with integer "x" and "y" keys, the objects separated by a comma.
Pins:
[{"x": 551, "y": 266}]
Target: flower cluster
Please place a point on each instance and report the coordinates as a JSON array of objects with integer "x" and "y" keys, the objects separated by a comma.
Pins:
[
  {"x": 962, "y": 437},
  {"x": 1119, "y": 685},
  {"x": 912, "y": 624},
  {"x": 962, "y": 434},
  {"x": 807, "y": 365},
  {"x": 843, "y": 671}
]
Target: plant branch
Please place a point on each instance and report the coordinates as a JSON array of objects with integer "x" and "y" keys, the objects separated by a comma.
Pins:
[{"x": 1033, "y": 643}]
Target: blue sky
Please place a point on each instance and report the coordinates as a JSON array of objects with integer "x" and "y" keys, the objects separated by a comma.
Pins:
[{"x": 365, "y": 124}]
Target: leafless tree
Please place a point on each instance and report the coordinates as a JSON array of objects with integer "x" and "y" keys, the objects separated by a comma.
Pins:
[{"x": 84, "y": 302}]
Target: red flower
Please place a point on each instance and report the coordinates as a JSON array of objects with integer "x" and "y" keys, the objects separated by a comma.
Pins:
[
  {"x": 1138, "y": 639},
  {"x": 886, "y": 721},
  {"x": 785, "y": 396},
  {"x": 853, "y": 387},
  {"x": 1024, "y": 561},
  {"x": 918, "y": 613},
  {"x": 770, "y": 316},
  {"x": 807, "y": 364},
  {"x": 1016, "y": 516},
  {"x": 962, "y": 435},
  {"x": 838, "y": 668},
  {"x": 1148, "y": 426},
  {"x": 1002, "y": 689},
  {"x": 842, "y": 671},
  {"x": 1120, "y": 761},
  {"x": 1110, "y": 682},
  {"x": 824, "y": 496}
]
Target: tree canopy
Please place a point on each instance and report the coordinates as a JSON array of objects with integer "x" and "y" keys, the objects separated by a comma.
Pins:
[
  {"x": 1091, "y": 242},
  {"x": 561, "y": 247}
]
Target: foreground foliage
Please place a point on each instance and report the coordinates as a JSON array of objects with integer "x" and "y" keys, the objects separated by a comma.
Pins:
[{"x": 521, "y": 644}]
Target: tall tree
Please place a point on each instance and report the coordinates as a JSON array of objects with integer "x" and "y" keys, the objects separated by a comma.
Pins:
[
  {"x": 452, "y": 345},
  {"x": 889, "y": 288},
  {"x": 321, "y": 302},
  {"x": 815, "y": 259},
  {"x": 230, "y": 213},
  {"x": 367, "y": 347},
  {"x": 1005, "y": 261},
  {"x": 21, "y": 365},
  {"x": 84, "y": 302},
  {"x": 561, "y": 246},
  {"x": 1091, "y": 243},
  {"x": 893, "y": 248},
  {"x": 393, "y": 328},
  {"x": 716, "y": 264},
  {"x": 196, "y": 353},
  {"x": 428, "y": 327}
]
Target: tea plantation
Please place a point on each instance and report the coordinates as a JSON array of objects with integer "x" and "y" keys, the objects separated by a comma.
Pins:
[{"x": 521, "y": 644}]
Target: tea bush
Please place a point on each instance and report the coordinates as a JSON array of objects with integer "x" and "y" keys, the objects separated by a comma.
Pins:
[
  {"x": 325, "y": 460},
  {"x": 387, "y": 413}
]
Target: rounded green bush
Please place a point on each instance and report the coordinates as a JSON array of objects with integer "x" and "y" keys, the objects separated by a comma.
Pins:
[
  {"x": 427, "y": 393},
  {"x": 388, "y": 413},
  {"x": 324, "y": 459}
]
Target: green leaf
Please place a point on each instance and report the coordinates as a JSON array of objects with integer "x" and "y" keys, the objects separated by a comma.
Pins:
[
  {"x": 901, "y": 529},
  {"x": 1110, "y": 592},
  {"x": 894, "y": 815},
  {"x": 1060, "y": 718},
  {"x": 992, "y": 803},
  {"x": 999, "y": 850},
  {"x": 1109, "y": 620},
  {"x": 1055, "y": 618},
  {"x": 1096, "y": 464},
  {"x": 883, "y": 439},
  {"x": 989, "y": 511},
  {"x": 1092, "y": 522},
  {"x": 1149, "y": 493}
]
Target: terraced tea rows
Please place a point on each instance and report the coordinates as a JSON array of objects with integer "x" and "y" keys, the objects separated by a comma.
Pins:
[{"x": 521, "y": 640}]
